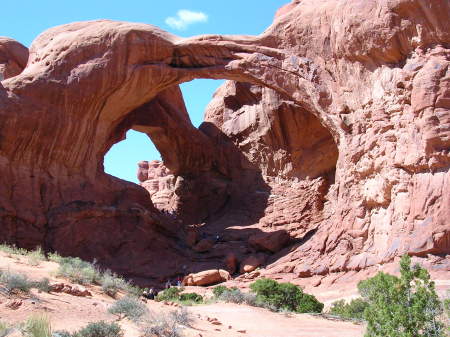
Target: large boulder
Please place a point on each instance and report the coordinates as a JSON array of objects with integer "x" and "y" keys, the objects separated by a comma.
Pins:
[
  {"x": 207, "y": 277},
  {"x": 272, "y": 241}
]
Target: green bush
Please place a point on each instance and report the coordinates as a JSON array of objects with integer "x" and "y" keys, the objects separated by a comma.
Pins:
[
  {"x": 352, "y": 310},
  {"x": 402, "y": 306},
  {"x": 193, "y": 297},
  {"x": 37, "y": 326},
  {"x": 217, "y": 291},
  {"x": 78, "y": 271},
  {"x": 130, "y": 307},
  {"x": 171, "y": 294},
  {"x": 286, "y": 296},
  {"x": 16, "y": 282},
  {"x": 100, "y": 329}
]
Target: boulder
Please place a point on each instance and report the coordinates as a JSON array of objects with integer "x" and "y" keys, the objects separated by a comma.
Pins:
[
  {"x": 252, "y": 262},
  {"x": 203, "y": 245},
  {"x": 207, "y": 277},
  {"x": 272, "y": 241}
]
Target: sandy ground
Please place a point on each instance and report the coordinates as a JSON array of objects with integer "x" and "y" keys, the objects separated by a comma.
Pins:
[{"x": 71, "y": 312}]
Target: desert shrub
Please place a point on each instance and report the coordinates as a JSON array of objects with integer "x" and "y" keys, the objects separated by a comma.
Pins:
[
  {"x": 61, "y": 333},
  {"x": 352, "y": 310},
  {"x": 42, "y": 285},
  {"x": 217, "y": 291},
  {"x": 166, "y": 325},
  {"x": 5, "y": 329},
  {"x": 54, "y": 257},
  {"x": 100, "y": 329},
  {"x": 128, "y": 306},
  {"x": 171, "y": 294},
  {"x": 181, "y": 316},
  {"x": 78, "y": 271},
  {"x": 37, "y": 326},
  {"x": 191, "y": 297},
  {"x": 134, "y": 290},
  {"x": 111, "y": 283},
  {"x": 35, "y": 257},
  {"x": 16, "y": 282},
  {"x": 11, "y": 250},
  {"x": 402, "y": 306},
  {"x": 232, "y": 296},
  {"x": 284, "y": 296},
  {"x": 309, "y": 303}
]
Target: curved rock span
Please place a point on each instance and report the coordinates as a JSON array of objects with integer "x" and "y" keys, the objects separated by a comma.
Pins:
[{"x": 327, "y": 150}]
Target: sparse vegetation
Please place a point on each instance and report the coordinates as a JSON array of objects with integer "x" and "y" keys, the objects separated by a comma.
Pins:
[
  {"x": 402, "y": 306},
  {"x": 37, "y": 326},
  {"x": 42, "y": 285},
  {"x": 219, "y": 290},
  {"x": 16, "y": 282},
  {"x": 100, "y": 329},
  {"x": 285, "y": 296},
  {"x": 35, "y": 257},
  {"x": 166, "y": 325},
  {"x": 5, "y": 329},
  {"x": 352, "y": 310},
  {"x": 78, "y": 271},
  {"x": 130, "y": 307},
  {"x": 111, "y": 283}
]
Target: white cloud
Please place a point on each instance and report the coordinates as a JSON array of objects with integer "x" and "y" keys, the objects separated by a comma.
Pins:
[{"x": 185, "y": 18}]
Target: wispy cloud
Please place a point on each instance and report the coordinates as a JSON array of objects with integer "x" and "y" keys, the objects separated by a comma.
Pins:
[{"x": 185, "y": 18}]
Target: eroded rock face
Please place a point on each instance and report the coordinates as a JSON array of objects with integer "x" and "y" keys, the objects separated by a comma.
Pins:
[{"x": 334, "y": 127}]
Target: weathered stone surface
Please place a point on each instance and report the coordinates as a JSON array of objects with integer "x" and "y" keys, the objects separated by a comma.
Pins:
[
  {"x": 273, "y": 241},
  {"x": 334, "y": 127},
  {"x": 13, "y": 57},
  {"x": 206, "y": 277}
]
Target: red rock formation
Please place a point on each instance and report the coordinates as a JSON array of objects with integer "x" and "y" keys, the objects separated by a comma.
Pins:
[{"x": 341, "y": 138}]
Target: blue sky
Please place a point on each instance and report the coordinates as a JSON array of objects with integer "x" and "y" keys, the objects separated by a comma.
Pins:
[{"x": 28, "y": 19}]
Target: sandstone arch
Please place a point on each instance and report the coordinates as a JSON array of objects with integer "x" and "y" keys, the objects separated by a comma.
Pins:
[{"x": 377, "y": 83}]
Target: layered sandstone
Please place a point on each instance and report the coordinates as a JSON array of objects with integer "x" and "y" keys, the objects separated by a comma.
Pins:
[{"x": 328, "y": 149}]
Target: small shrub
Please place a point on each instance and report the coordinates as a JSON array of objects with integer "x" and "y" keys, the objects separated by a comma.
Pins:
[
  {"x": 128, "y": 306},
  {"x": 134, "y": 290},
  {"x": 111, "y": 283},
  {"x": 217, "y": 291},
  {"x": 232, "y": 296},
  {"x": 54, "y": 257},
  {"x": 402, "y": 306},
  {"x": 100, "y": 329},
  {"x": 286, "y": 296},
  {"x": 42, "y": 285},
  {"x": 352, "y": 310},
  {"x": 191, "y": 297},
  {"x": 78, "y": 271},
  {"x": 62, "y": 333},
  {"x": 171, "y": 294},
  {"x": 162, "y": 325},
  {"x": 16, "y": 282},
  {"x": 37, "y": 326},
  {"x": 5, "y": 329},
  {"x": 182, "y": 317},
  {"x": 35, "y": 257}
]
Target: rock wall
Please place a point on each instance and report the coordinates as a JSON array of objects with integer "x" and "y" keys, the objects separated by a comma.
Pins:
[{"x": 330, "y": 142}]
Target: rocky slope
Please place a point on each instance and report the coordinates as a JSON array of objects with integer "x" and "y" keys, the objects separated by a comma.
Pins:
[{"x": 327, "y": 151}]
